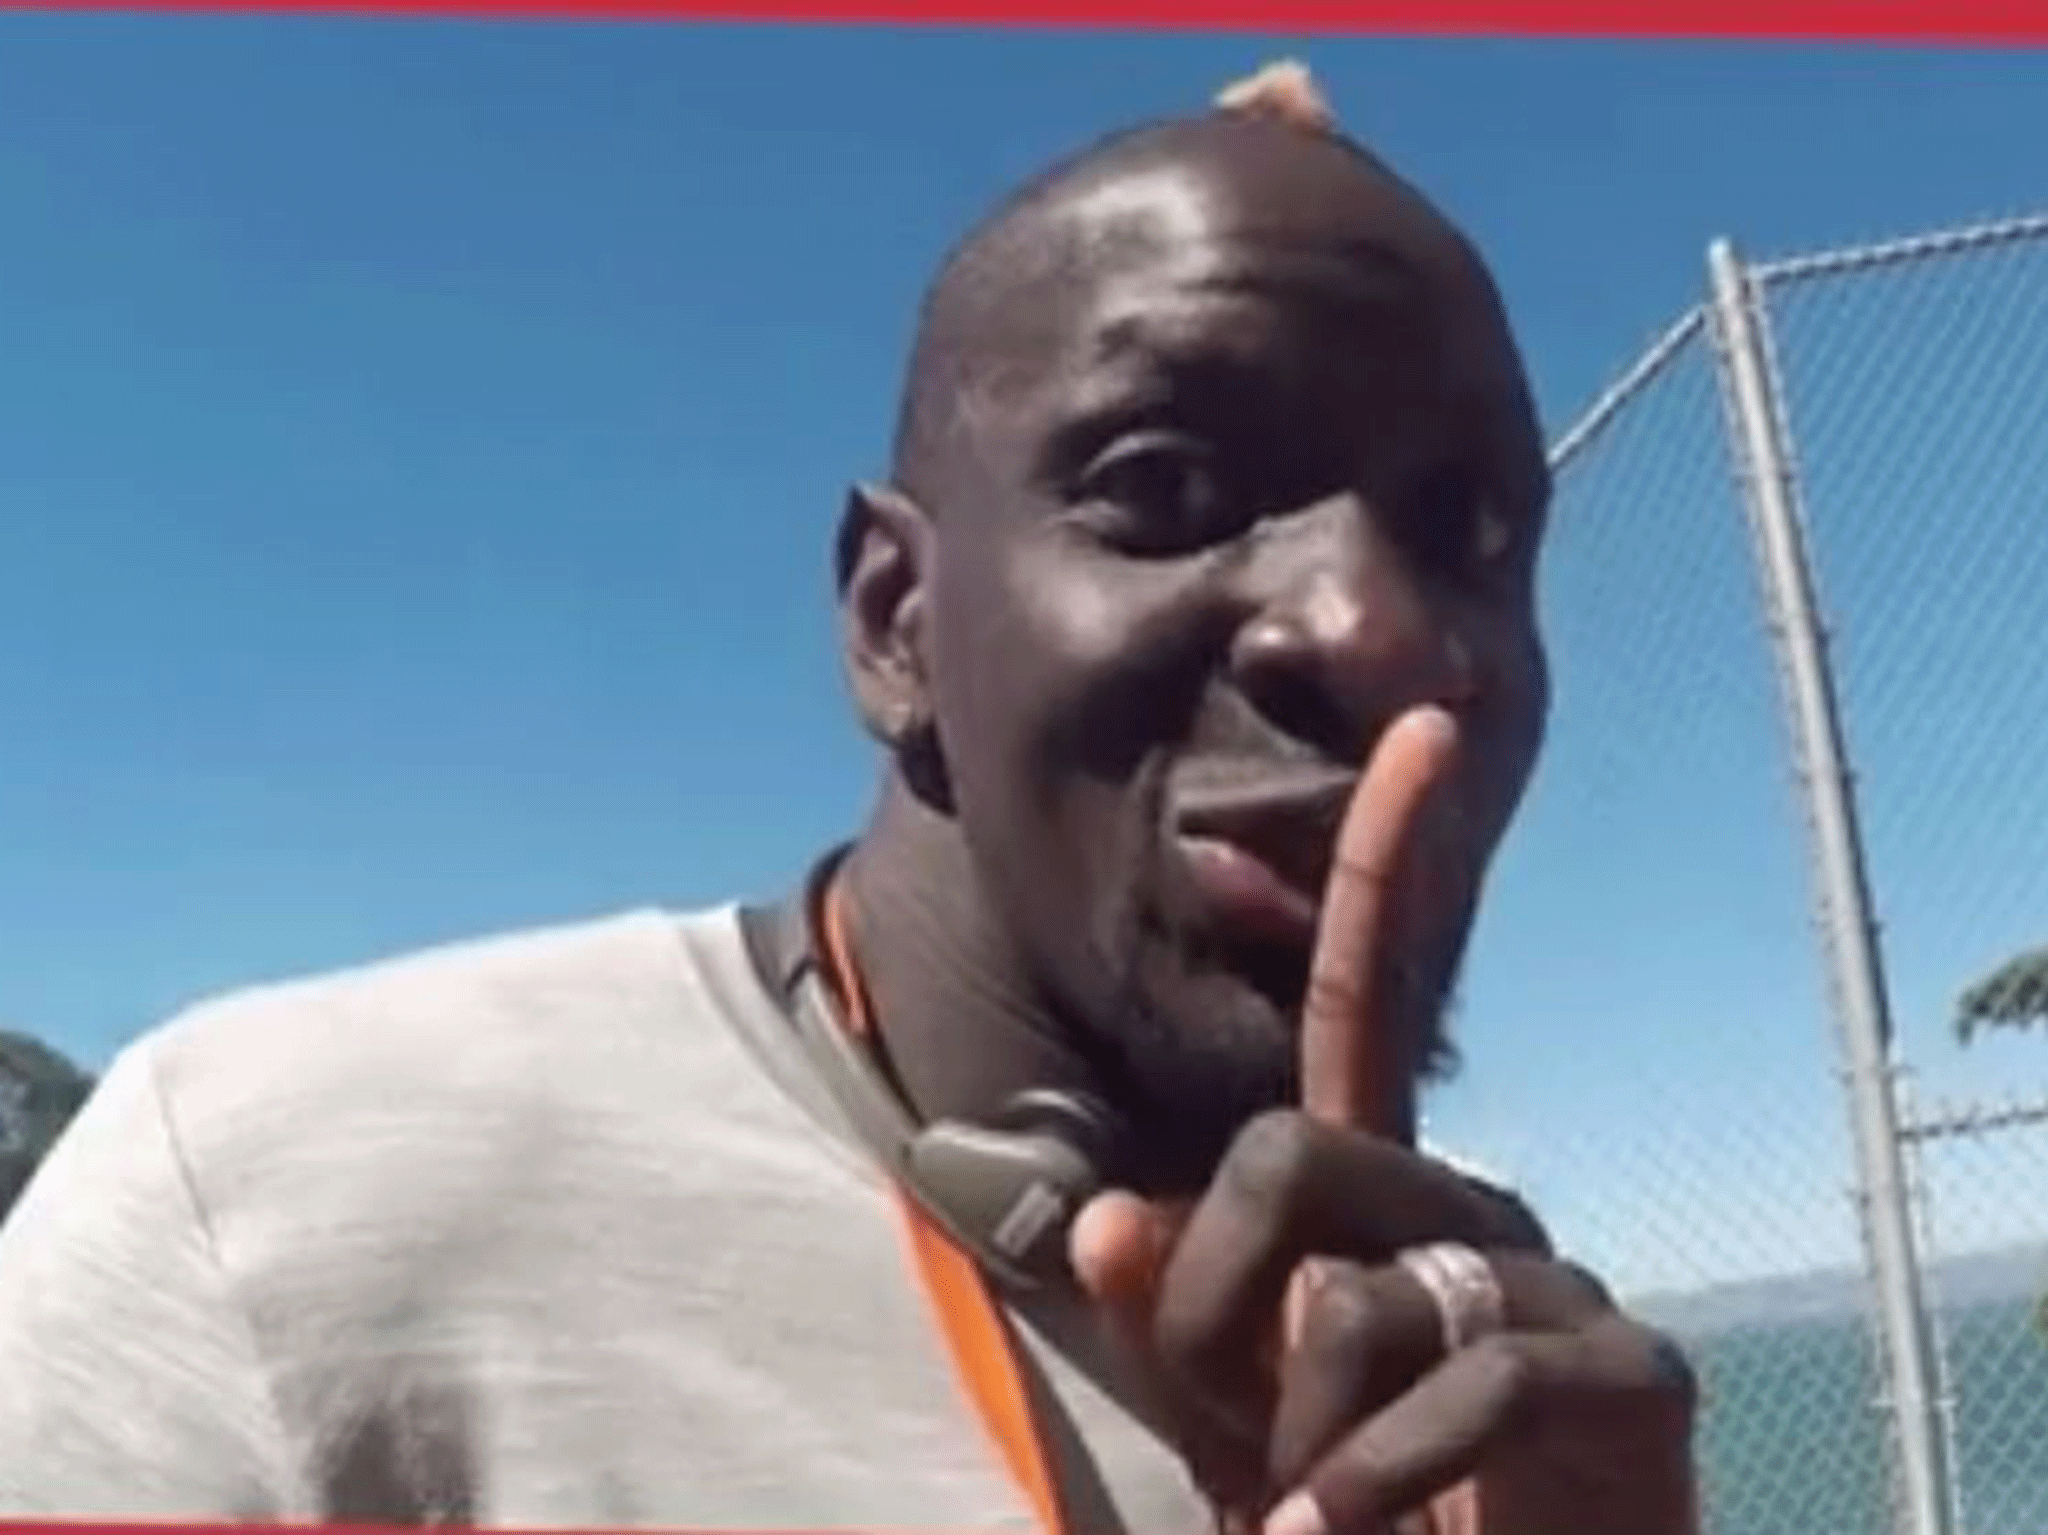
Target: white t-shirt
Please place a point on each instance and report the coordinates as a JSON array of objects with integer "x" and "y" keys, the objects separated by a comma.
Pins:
[{"x": 529, "y": 1231}]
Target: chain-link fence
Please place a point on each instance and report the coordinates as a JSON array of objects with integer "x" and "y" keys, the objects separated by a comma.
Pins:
[
  {"x": 1915, "y": 379},
  {"x": 1984, "y": 1173},
  {"x": 1798, "y": 792}
]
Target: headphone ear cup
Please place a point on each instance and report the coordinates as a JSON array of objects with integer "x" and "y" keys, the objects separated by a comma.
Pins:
[
  {"x": 1011, "y": 1188},
  {"x": 1008, "y": 1194},
  {"x": 1082, "y": 1121},
  {"x": 1005, "y": 1190}
]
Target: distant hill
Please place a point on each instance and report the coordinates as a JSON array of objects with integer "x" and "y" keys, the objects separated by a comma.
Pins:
[
  {"x": 40, "y": 1089},
  {"x": 2019, "y": 1273}
]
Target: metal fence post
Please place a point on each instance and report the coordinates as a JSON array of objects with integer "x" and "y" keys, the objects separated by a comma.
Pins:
[{"x": 1855, "y": 966}]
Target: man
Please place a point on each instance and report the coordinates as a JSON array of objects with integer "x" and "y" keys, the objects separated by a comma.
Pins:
[{"x": 1217, "y": 479}]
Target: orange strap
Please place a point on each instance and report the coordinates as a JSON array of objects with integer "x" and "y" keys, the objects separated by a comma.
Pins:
[{"x": 984, "y": 1351}]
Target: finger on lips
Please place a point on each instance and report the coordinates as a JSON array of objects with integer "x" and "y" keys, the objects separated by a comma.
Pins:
[
  {"x": 1354, "y": 1068},
  {"x": 1352, "y": 1071}
]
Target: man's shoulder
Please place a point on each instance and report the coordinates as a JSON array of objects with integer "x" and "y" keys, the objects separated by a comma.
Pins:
[
  {"x": 475, "y": 1054},
  {"x": 422, "y": 1002},
  {"x": 423, "y": 1154}
]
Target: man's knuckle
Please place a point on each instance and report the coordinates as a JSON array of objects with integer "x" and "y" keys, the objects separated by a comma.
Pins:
[
  {"x": 1513, "y": 1222},
  {"x": 1271, "y": 1156},
  {"x": 1344, "y": 1312},
  {"x": 1333, "y": 993},
  {"x": 1650, "y": 1368},
  {"x": 1500, "y": 1361},
  {"x": 1181, "y": 1333},
  {"x": 1586, "y": 1286},
  {"x": 1677, "y": 1377},
  {"x": 1357, "y": 1488}
]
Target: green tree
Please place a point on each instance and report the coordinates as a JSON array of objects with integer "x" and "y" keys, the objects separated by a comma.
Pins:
[
  {"x": 2014, "y": 996},
  {"x": 39, "y": 1092}
]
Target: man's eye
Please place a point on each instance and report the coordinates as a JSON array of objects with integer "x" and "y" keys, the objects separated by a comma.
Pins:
[
  {"x": 1169, "y": 492},
  {"x": 1462, "y": 526}
]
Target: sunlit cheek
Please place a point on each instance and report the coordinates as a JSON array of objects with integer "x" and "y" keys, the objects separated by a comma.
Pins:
[
  {"x": 1073, "y": 618},
  {"x": 1085, "y": 621},
  {"x": 1103, "y": 657}
]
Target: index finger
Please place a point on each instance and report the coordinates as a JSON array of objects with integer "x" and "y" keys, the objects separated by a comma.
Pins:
[{"x": 1351, "y": 1071}]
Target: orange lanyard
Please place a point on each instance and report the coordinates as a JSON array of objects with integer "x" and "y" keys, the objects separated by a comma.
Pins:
[{"x": 983, "y": 1347}]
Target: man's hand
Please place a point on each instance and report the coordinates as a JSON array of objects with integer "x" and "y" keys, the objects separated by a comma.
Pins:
[
  {"x": 1356, "y": 1412},
  {"x": 1572, "y": 1417}
]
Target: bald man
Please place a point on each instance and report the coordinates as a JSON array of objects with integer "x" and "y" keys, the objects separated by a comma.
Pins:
[{"x": 1046, "y": 1161}]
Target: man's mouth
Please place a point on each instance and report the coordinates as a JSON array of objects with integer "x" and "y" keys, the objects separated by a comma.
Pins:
[{"x": 1256, "y": 849}]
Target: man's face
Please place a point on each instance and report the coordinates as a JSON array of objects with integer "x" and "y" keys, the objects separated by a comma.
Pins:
[{"x": 1256, "y": 471}]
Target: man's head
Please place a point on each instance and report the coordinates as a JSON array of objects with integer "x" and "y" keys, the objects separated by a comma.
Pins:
[{"x": 1215, "y": 454}]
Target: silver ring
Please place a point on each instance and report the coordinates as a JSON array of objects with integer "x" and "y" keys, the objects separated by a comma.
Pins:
[{"x": 1469, "y": 1300}]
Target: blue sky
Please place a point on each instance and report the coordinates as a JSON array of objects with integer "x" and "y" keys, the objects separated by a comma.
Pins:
[{"x": 419, "y": 441}]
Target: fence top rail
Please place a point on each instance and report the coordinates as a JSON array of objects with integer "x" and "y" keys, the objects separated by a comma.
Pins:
[
  {"x": 1788, "y": 269},
  {"x": 1608, "y": 404},
  {"x": 1943, "y": 242}
]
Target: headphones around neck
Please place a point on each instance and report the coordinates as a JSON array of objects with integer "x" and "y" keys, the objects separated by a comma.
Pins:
[{"x": 1005, "y": 1188}]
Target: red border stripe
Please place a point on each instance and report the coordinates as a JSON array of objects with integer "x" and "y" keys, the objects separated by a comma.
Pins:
[
  {"x": 1997, "y": 22},
  {"x": 1952, "y": 22}
]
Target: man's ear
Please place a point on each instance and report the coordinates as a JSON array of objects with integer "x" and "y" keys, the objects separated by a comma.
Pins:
[{"x": 884, "y": 564}]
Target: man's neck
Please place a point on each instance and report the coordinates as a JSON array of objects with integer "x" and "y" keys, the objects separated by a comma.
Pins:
[{"x": 960, "y": 1026}]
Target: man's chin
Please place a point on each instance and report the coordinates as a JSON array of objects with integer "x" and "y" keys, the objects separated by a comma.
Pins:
[{"x": 1205, "y": 1057}]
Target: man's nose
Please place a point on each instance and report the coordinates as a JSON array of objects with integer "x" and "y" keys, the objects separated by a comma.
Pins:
[{"x": 1342, "y": 633}]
